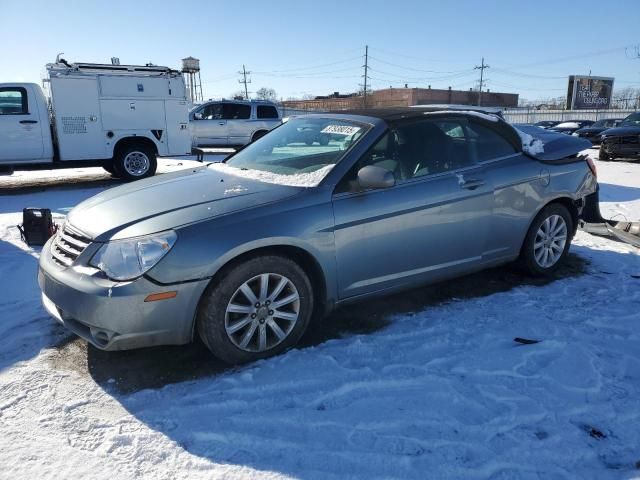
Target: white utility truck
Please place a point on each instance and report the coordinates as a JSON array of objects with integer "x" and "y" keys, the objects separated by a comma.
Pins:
[{"x": 120, "y": 117}]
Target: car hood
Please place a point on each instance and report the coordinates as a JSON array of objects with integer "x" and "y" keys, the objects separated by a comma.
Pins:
[
  {"x": 620, "y": 131},
  {"x": 169, "y": 201}
]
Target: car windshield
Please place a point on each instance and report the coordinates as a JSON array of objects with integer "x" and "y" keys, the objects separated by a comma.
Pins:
[
  {"x": 300, "y": 152},
  {"x": 632, "y": 120},
  {"x": 601, "y": 123}
]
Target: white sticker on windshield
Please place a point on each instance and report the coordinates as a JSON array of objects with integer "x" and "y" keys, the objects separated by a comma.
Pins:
[{"x": 346, "y": 130}]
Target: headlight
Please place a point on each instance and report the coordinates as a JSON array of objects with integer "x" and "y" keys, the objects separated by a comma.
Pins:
[
  {"x": 128, "y": 259},
  {"x": 575, "y": 134}
]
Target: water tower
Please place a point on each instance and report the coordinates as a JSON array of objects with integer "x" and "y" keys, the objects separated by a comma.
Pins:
[{"x": 191, "y": 69}]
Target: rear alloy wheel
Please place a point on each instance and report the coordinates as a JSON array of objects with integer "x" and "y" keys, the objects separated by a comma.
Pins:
[
  {"x": 258, "y": 309},
  {"x": 548, "y": 240},
  {"x": 135, "y": 162}
]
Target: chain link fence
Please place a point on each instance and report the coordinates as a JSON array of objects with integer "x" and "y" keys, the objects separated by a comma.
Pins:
[{"x": 524, "y": 115}]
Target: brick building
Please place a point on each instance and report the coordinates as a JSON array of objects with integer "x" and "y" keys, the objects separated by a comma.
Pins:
[{"x": 404, "y": 97}]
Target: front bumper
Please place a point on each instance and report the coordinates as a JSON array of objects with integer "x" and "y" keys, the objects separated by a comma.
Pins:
[
  {"x": 113, "y": 315},
  {"x": 617, "y": 149}
]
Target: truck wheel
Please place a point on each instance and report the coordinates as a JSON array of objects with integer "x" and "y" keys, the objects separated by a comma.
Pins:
[
  {"x": 548, "y": 239},
  {"x": 260, "y": 308},
  {"x": 135, "y": 162},
  {"x": 258, "y": 134}
]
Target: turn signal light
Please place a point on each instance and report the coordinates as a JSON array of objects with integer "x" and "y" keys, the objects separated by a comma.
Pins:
[{"x": 154, "y": 297}]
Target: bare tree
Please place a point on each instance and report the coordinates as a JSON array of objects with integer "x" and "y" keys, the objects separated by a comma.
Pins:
[
  {"x": 267, "y": 94},
  {"x": 238, "y": 95}
]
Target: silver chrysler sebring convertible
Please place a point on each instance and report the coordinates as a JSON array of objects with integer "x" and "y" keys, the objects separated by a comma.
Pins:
[{"x": 245, "y": 253}]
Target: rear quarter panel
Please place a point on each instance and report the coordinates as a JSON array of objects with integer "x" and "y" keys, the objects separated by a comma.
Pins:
[{"x": 522, "y": 187}]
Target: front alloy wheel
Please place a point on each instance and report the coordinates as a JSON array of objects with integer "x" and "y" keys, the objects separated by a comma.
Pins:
[
  {"x": 262, "y": 312},
  {"x": 255, "y": 309}
]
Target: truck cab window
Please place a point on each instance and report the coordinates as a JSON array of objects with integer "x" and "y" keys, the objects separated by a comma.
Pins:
[{"x": 13, "y": 101}]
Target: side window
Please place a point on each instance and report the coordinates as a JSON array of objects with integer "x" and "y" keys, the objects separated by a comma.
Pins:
[
  {"x": 13, "y": 101},
  {"x": 212, "y": 112},
  {"x": 236, "y": 111},
  {"x": 488, "y": 144},
  {"x": 267, "y": 111},
  {"x": 432, "y": 146},
  {"x": 416, "y": 149}
]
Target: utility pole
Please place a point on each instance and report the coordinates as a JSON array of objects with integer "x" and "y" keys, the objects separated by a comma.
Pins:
[
  {"x": 244, "y": 80},
  {"x": 481, "y": 68},
  {"x": 366, "y": 73}
]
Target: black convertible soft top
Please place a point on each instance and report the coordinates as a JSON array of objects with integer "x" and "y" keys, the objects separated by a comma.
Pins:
[{"x": 552, "y": 146}]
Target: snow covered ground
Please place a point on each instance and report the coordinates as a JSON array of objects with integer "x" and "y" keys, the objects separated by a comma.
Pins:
[{"x": 427, "y": 384}]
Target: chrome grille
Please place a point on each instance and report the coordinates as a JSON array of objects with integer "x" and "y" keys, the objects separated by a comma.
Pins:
[{"x": 68, "y": 245}]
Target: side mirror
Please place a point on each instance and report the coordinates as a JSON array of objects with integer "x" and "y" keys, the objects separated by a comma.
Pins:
[
  {"x": 375, "y": 177},
  {"x": 197, "y": 116}
]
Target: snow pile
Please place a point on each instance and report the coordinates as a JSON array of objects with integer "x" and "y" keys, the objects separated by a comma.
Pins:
[
  {"x": 306, "y": 179},
  {"x": 567, "y": 125},
  {"x": 529, "y": 144}
]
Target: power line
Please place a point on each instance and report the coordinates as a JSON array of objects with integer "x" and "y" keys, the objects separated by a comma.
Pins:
[
  {"x": 576, "y": 57},
  {"x": 415, "y": 69},
  {"x": 312, "y": 67}
]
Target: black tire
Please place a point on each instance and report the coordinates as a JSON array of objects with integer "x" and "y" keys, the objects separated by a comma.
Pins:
[
  {"x": 527, "y": 255},
  {"x": 603, "y": 155},
  {"x": 258, "y": 134},
  {"x": 324, "y": 139},
  {"x": 130, "y": 174},
  {"x": 110, "y": 168},
  {"x": 210, "y": 319}
]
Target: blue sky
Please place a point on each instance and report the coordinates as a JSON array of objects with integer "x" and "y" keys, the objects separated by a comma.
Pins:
[{"x": 304, "y": 47}]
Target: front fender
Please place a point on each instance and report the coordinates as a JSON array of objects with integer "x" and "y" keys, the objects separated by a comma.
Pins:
[{"x": 202, "y": 249}]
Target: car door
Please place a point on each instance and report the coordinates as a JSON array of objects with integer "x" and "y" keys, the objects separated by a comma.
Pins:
[
  {"x": 21, "y": 138},
  {"x": 238, "y": 116},
  {"x": 432, "y": 224},
  {"x": 209, "y": 128},
  {"x": 515, "y": 179}
]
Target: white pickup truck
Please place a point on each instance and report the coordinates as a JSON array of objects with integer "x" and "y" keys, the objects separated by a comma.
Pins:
[{"x": 120, "y": 117}]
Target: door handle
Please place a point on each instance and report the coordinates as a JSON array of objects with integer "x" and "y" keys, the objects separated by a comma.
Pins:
[
  {"x": 471, "y": 184},
  {"x": 222, "y": 123},
  {"x": 28, "y": 121}
]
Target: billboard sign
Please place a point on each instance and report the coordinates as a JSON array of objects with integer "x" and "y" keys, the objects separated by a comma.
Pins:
[{"x": 587, "y": 92}]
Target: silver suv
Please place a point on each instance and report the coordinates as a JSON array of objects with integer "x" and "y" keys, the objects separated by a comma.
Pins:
[{"x": 232, "y": 122}]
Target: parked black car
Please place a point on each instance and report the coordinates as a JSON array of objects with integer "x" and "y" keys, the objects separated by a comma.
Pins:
[
  {"x": 593, "y": 132},
  {"x": 571, "y": 126},
  {"x": 547, "y": 123},
  {"x": 622, "y": 141}
]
